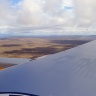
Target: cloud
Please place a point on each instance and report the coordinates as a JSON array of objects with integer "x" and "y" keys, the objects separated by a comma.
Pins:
[
  {"x": 5, "y": 13},
  {"x": 29, "y": 12},
  {"x": 68, "y": 16},
  {"x": 34, "y": 12},
  {"x": 85, "y": 12}
]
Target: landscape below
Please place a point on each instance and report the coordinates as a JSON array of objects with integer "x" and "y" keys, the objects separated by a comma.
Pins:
[{"x": 31, "y": 48}]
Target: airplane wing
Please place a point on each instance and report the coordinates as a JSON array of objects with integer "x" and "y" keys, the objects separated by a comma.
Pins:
[
  {"x": 14, "y": 60},
  {"x": 68, "y": 73},
  {"x": 8, "y": 62}
]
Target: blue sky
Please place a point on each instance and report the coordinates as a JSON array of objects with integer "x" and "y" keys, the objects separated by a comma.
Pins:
[
  {"x": 68, "y": 7},
  {"x": 15, "y": 1}
]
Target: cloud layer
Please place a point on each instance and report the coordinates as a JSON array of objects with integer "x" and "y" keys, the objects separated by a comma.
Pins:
[
  {"x": 85, "y": 12},
  {"x": 65, "y": 16}
]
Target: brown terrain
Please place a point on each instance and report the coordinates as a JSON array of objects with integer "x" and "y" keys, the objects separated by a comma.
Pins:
[
  {"x": 2, "y": 65},
  {"x": 35, "y": 47}
]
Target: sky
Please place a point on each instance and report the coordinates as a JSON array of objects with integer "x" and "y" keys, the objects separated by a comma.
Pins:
[
  {"x": 14, "y": 1},
  {"x": 45, "y": 17}
]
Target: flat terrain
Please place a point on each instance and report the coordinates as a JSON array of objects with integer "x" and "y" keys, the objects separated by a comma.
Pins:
[
  {"x": 35, "y": 47},
  {"x": 32, "y": 48}
]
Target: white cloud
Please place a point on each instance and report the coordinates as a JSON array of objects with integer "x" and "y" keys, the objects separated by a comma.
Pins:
[
  {"x": 5, "y": 13},
  {"x": 35, "y": 12},
  {"x": 29, "y": 15},
  {"x": 29, "y": 12},
  {"x": 85, "y": 12}
]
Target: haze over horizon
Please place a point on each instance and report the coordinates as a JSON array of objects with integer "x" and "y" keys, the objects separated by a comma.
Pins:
[{"x": 47, "y": 17}]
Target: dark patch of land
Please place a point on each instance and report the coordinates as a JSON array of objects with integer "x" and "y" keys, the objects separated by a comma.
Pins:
[
  {"x": 72, "y": 42},
  {"x": 10, "y": 45},
  {"x": 4, "y": 65}
]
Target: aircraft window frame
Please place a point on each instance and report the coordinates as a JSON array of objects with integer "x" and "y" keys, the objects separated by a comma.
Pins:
[{"x": 16, "y": 94}]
